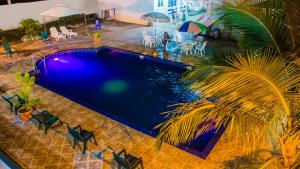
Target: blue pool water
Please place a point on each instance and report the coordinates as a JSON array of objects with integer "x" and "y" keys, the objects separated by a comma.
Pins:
[{"x": 125, "y": 86}]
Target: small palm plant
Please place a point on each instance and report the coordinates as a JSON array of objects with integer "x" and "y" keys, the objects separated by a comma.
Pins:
[
  {"x": 96, "y": 36},
  {"x": 26, "y": 81}
]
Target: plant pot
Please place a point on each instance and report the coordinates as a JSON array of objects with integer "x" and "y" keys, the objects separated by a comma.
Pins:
[{"x": 25, "y": 115}]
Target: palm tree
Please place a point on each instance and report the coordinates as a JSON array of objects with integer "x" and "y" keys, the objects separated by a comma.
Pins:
[
  {"x": 253, "y": 100},
  {"x": 256, "y": 88}
]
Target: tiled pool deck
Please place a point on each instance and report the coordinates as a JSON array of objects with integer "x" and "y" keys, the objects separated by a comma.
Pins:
[{"x": 31, "y": 148}]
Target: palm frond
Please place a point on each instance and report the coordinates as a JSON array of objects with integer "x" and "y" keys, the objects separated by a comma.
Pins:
[
  {"x": 260, "y": 23},
  {"x": 254, "y": 92},
  {"x": 207, "y": 66},
  {"x": 184, "y": 122}
]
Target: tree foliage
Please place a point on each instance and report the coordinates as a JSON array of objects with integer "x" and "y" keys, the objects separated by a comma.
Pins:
[
  {"x": 261, "y": 24},
  {"x": 256, "y": 89},
  {"x": 30, "y": 28}
]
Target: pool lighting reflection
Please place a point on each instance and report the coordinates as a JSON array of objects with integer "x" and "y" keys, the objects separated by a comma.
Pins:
[
  {"x": 61, "y": 60},
  {"x": 115, "y": 86}
]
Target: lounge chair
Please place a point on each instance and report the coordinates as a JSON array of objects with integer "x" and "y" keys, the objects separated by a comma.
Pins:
[
  {"x": 11, "y": 100},
  {"x": 46, "y": 119},
  {"x": 55, "y": 34},
  {"x": 83, "y": 136},
  {"x": 67, "y": 32},
  {"x": 45, "y": 38},
  {"x": 127, "y": 161}
]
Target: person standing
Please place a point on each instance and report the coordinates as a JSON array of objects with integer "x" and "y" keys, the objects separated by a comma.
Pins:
[{"x": 166, "y": 39}]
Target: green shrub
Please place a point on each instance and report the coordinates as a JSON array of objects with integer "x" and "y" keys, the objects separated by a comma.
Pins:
[{"x": 30, "y": 29}]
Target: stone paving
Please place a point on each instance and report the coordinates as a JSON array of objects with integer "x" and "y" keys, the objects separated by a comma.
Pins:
[{"x": 31, "y": 148}]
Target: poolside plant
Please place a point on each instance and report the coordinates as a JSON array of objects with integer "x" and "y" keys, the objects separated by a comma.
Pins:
[
  {"x": 96, "y": 36},
  {"x": 30, "y": 28},
  {"x": 155, "y": 54},
  {"x": 26, "y": 81}
]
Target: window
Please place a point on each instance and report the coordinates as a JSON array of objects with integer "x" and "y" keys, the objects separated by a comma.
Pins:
[
  {"x": 160, "y": 3},
  {"x": 172, "y": 3}
]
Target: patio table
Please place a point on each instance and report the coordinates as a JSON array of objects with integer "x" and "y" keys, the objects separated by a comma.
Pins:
[{"x": 46, "y": 119}]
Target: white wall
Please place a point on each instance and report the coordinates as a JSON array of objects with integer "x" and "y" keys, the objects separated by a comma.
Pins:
[
  {"x": 128, "y": 10},
  {"x": 11, "y": 15}
]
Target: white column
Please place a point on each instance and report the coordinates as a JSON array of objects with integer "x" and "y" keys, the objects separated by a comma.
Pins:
[{"x": 8, "y": 2}]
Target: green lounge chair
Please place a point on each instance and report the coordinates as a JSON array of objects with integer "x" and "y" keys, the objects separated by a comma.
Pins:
[
  {"x": 83, "y": 136},
  {"x": 11, "y": 100},
  {"x": 7, "y": 48},
  {"x": 45, "y": 38},
  {"x": 46, "y": 119},
  {"x": 127, "y": 161}
]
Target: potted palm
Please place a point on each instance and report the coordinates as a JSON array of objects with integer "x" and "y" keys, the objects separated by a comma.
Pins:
[
  {"x": 96, "y": 36},
  {"x": 26, "y": 81}
]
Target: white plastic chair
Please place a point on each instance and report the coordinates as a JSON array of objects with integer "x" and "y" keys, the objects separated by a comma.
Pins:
[
  {"x": 188, "y": 47},
  {"x": 67, "y": 32},
  {"x": 149, "y": 41},
  {"x": 144, "y": 33},
  {"x": 200, "y": 39},
  {"x": 201, "y": 48},
  {"x": 55, "y": 34}
]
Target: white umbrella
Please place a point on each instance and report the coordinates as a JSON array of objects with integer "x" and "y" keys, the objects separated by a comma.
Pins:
[{"x": 61, "y": 10}]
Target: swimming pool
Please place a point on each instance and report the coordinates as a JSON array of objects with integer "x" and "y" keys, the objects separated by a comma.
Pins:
[{"x": 128, "y": 87}]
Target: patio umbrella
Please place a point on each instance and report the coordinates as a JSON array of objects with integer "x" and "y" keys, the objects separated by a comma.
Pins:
[
  {"x": 155, "y": 17},
  {"x": 61, "y": 10},
  {"x": 192, "y": 27}
]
